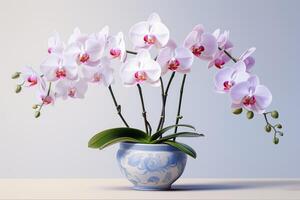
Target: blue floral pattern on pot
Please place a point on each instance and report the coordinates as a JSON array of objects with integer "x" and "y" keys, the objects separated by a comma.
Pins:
[{"x": 151, "y": 166}]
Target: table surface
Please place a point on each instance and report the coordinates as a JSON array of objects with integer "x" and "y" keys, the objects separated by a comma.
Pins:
[{"x": 121, "y": 189}]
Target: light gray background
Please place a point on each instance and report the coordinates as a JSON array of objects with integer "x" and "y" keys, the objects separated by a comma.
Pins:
[{"x": 56, "y": 144}]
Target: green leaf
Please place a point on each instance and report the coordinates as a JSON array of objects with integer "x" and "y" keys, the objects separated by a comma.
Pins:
[
  {"x": 115, "y": 135},
  {"x": 180, "y": 134},
  {"x": 162, "y": 131},
  {"x": 182, "y": 147}
]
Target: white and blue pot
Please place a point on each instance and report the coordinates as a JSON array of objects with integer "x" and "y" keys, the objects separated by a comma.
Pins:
[{"x": 151, "y": 166}]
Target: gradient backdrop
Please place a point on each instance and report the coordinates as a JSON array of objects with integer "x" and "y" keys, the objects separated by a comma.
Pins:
[{"x": 56, "y": 144}]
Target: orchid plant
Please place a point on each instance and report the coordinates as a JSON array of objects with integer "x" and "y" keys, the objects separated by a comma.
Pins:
[{"x": 86, "y": 58}]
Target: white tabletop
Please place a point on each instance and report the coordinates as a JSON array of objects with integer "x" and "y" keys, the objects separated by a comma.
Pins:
[{"x": 120, "y": 189}]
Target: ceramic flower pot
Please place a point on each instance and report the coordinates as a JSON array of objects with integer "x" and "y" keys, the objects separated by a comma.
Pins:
[{"x": 151, "y": 166}]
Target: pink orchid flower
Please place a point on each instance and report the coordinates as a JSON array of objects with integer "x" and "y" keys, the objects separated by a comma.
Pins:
[
  {"x": 70, "y": 88},
  {"x": 116, "y": 47},
  {"x": 251, "y": 95},
  {"x": 86, "y": 49},
  {"x": 248, "y": 59},
  {"x": 222, "y": 38},
  {"x": 101, "y": 74},
  {"x": 226, "y": 78},
  {"x": 219, "y": 60},
  {"x": 203, "y": 45},
  {"x": 57, "y": 67},
  {"x": 148, "y": 33},
  {"x": 173, "y": 58},
  {"x": 139, "y": 69},
  {"x": 32, "y": 78},
  {"x": 55, "y": 45},
  {"x": 45, "y": 98}
]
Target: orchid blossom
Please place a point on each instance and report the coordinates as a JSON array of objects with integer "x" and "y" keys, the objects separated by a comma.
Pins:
[
  {"x": 55, "y": 45},
  {"x": 116, "y": 47},
  {"x": 140, "y": 69},
  {"x": 32, "y": 78},
  {"x": 72, "y": 89},
  {"x": 101, "y": 74},
  {"x": 248, "y": 59},
  {"x": 57, "y": 67},
  {"x": 251, "y": 95},
  {"x": 202, "y": 44},
  {"x": 226, "y": 78},
  {"x": 173, "y": 58},
  {"x": 148, "y": 33}
]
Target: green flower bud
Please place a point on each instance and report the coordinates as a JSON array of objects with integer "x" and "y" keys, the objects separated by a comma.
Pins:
[
  {"x": 18, "y": 88},
  {"x": 268, "y": 128},
  {"x": 15, "y": 75},
  {"x": 275, "y": 114},
  {"x": 275, "y": 140},
  {"x": 279, "y": 126},
  {"x": 250, "y": 114},
  {"x": 237, "y": 111},
  {"x": 37, "y": 114}
]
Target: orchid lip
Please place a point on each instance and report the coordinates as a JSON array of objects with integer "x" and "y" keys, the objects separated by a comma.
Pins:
[
  {"x": 197, "y": 50},
  {"x": 173, "y": 64},
  {"x": 140, "y": 76},
  {"x": 115, "y": 53},
  {"x": 149, "y": 39},
  {"x": 249, "y": 100},
  {"x": 84, "y": 58},
  {"x": 72, "y": 92},
  {"x": 61, "y": 73}
]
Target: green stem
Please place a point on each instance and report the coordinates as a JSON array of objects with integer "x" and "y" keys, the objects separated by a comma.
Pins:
[
  {"x": 118, "y": 106},
  {"x": 178, "y": 117},
  {"x": 131, "y": 52},
  {"x": 147, "y": 124},
  {"x": 164, "y": 101}
]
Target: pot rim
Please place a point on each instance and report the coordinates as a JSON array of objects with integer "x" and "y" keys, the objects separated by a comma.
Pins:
[{"x": 147, "y": 147}]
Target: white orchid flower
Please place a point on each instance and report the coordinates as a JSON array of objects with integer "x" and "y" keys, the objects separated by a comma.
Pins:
[
  {"x": 139, "y": 69},
  {"x": 70, "y": 88},
  {"x": 32, "y": 78},
  {"x": 101, "y": 74},
  {"x": 148, "y": 33},
  {"x": 86, "y": 49},
  {"x": 55, "y": 45},
  {"x": 57, "y": 67},
  {"x": 227, "y": 77},
  {"x": 202, "y": 44},
  {"x": 175, "y": 58},
  {"x": 116, "y": 47},
  {"x": 251, "y": 95}
]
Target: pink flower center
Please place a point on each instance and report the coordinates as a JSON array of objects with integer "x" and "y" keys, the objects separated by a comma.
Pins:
[
  {"x": 84, "y": 58},
  {"x": 140, "y": 76},
  {"x": 61, "y": 73},
  {"x": 219, "y": 63},
  {"x": 173, "y": 64},
  {"x": 97, "y": 77},
  {"x": 72, "y": 92},
  {"x": 32, "y": 80},
  {"x": 149, "y": 39},
  {"x": 47, "y": 100},
  {"x": 227, "y": 85},
  {"x": 115, "y": 53},
  {"x": 249, "y": 100},
  {"x": 197, "y": 50},
  {"x": 49, "y": 50}
]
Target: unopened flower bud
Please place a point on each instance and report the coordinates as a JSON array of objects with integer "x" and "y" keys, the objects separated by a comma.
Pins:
[
  {"x": 268, "y": 128},
  {"x": 275, "y": 114},
  {"x": 279, "y": 126},
  {"x": 15, "y": 75},
  {"x": 37, "y": 114},
  {"x": 35, "y": 106},
  {"x": 237, "y": 111},
  {"x": 276, "y": 140},
  {"x": 18, "y": 88},
  {"x": 250, "y": 114}
]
